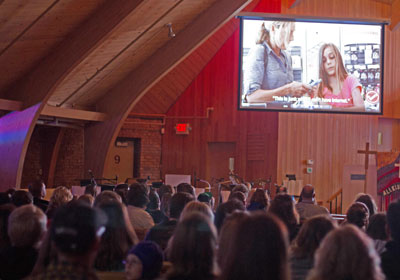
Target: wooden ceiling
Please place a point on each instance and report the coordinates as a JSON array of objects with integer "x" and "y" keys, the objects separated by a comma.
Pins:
[{"x": 71, "y": 53}]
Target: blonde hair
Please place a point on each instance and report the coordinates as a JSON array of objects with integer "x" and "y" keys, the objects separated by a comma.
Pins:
[
  {"x": 264, "y": 33},
  {"x": 26, "y": 226},
  {"x": 198, "y": 207},
  {"x": 341, "y": 72},
  {"x": 60, "y": 196}
]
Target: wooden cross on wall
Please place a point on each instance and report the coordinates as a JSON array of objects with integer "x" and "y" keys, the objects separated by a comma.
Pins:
[{"x": 367, "y": 153}]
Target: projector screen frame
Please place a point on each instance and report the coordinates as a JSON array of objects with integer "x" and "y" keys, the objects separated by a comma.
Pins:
[{"x": 295, "y": 18}]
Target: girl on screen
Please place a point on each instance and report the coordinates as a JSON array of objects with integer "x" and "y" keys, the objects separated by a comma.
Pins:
[
  {"x": 268, "y": 74},
  {"x": 337, "y": 88}
]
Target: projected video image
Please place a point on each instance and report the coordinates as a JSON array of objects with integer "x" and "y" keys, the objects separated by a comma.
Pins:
[{"x": 311, "y": 66}]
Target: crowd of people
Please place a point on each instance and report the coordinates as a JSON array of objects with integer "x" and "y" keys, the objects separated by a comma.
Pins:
[{"x": 138, "y": 232}]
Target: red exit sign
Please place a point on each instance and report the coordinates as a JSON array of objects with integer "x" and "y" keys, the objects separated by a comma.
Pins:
[{"x": 182, "y": 128}]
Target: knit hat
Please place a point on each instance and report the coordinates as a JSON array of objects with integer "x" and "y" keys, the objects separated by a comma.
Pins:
[{"x": 151, "y": 257}]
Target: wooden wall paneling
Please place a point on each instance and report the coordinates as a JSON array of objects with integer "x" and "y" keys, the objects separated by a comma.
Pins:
[{"x": 15, "y": 132}]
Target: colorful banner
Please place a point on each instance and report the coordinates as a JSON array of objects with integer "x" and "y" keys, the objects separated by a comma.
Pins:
[{"x": 388, "y": 185}]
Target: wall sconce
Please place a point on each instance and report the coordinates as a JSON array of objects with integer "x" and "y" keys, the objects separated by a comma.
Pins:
[{"x": 171, "y": 33}]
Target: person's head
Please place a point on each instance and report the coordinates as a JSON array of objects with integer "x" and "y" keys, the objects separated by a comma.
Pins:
[
  {"x": 154, "y": 199},
  {"x": 238, "y": 196},
  {"x": 241, "y": 188},
  {"x": 196, "y": 206},
  {"x": 138, "y": 195},
  {"x": 259, "y": 250},
  {"x": 26, "y": 226},
  {"x": 392, "y": 216},
  {"x": 278, "y": 34},
  {"x": 346, "y": 253},
  {"x": 311, "y": 234},
  {"x": 5, "y": 198},
  {"x": 259, "y": 200},
  {"x": 21, "y": 197},
  {"x": 91, "y": 189},
  {"x": 225, "y": 209},
  {"x": 281, "y": 190},
  {"x": 164, "y": 204},
  {"x": 122, "y": 190},
  {"x": 330, "y": 65},
  {"x": 177, "y": 204},
  {"x": 107, "y": 196},
  {"x": 358, "y": 214},
  {"x": 165, "y": 189},
  {"x": 283, "y": 207},
  {"x": 86, "y": 198},
  {"x": 193, "y": 247},
  {"x": 144, "y": 261},
  {"x": 205, "y": 198},
  {"x": 115, "y": 241},
  {"x": 377, "y": 227},
  {"x": 368, "y": 201},
  {"x": 76, "y": 229},
  {"x": 38, "y": 189},
  {"x": 61, "y": 195},
  {"x": 185, "y": 187},
  {"x": 225, "y": 237},
  {"x": 307, "y": 193}
]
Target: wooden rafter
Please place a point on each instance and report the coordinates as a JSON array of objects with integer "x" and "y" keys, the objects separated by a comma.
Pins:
[
  {"x": 73, "y": 114},
  {"x": 395, "y": 20},
  {"x": 78, "y": 45},
  {"x": 10, "y": 105}
]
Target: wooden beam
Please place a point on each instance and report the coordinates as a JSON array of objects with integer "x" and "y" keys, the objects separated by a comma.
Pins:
[
  {"x": 46, "y": 75},
  {"x": 389, "y": 2},
  {"x": 10, "y": 105},
  {"x": 54, "y": 158},
  {"x": 119, "y": 101},
  {"x": 73, "y": 114},
  {"x": 293, "y": 3},
  {"x": 395, "y": 20}
]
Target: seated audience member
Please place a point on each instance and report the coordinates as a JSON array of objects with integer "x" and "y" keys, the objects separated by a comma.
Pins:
[
  {"x": 165, "y": 189},
  {"x": 346, "y": 253},
  {"x": 225, "y": 238},
  {"x": 185, "y": 187},
  {"x": 38, "y": 191},
  {"x": 60, "y": 196},
  {"x": 26, "y": 227},
  {"x": 207, "y": 198},
  {"x": 358, "y": 214},
  {"x": 259, "y": 250},
  {"x": 164, "y": 204},
  {"x": 153, "y": 207},
  {"x": 5, "y": 211},
  {"x": 138, "y": 199},
  {"x": 115, "y": 242},
  {"x": 144, "y": 261},
  {"x": 86, "y": 198},
  {"x": 377, "y": 231},
  {"x": 368, "y": 201},
  {"x": 196, "y": 206},
  {"x": 107, "y": 196},
  {"x": 239, "y": 196},
  {"x": 307, "y": 207},
  {"x": 390, "y": 258},
  {"x": 280, "y": 190},
  {"x": 225, "y": 209},
  {"x": 306, "y": 243},
  {"x": 162, "y": 232},
  {"x": 192, "y": 249},
  {"x": 75, "y": 231},
  {"x": 122, "y": 190},
  {"x": 91, "y": 189},
  {"x": 259, "y": 201},
  {"x": 21, "y": 197},
  {"x": 5, "y": 198},
  {"x": 241, "y": 188},
  {"x": 283, "y": 207}
]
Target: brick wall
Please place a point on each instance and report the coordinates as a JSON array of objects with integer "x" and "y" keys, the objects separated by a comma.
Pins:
[
  {"x": 70, "y": 159},
  {"x": 32, "y": 163},
  {"x": 148, "y": 130}
]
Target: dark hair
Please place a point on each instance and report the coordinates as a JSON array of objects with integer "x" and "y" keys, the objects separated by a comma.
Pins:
[
  {"x": 115, "y": 241},
  {"x": 204, "y": 197},
  {"x": 177, "y": 203},
  {"x": 392, "y": 216},
  {"x": 227, "y": 208},
  {"x": 122, "y": 190},
  {"x": 311, "y": 235},
  {"x": 263, "y": 255},
  {"x": 5, "y": 211},
  {"x": 283, "y": 207},
  {"x": 258, "y": 201},
  {"x": 138, "y": 195},
  {"x": 377, "y": 226},
  {"x": 154, "y": 203},
  {"x": 106, "y": 196},
  {"x": 369, "y": 202},
  {"x": 240, "y": 188},
  {"x": 307, "y": 191},
  {"x": 21, "y": 197},
  {"x": 74, "y": 228},
  {"x": 185, "y": 187},
  {"x": 193, "y": 247},
  {"x": 36, "y": 188},
  {"x": 358, "y": 214},
  {"x": 5, "y": 198},
  {"x": 238, "y": 195},
  {"x": 91, "y": 189},
  {"x": 165, "y": 189},
  {"x": 151, "y": 257}
]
